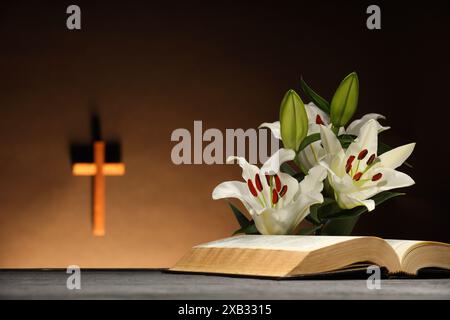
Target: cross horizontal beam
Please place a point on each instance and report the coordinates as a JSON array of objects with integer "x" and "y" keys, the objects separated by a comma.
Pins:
[{"x": 90, "y": 169}]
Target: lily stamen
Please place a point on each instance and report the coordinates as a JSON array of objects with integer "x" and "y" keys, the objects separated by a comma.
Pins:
[
  {"x": 252, "y": 189},
  {"x": 357, "y": 176},
  {"x": 371, "y": 159},
  {"x": 369, "y": 164},
  {"x": 348, "y": 167},
  {"x": 258, "y": 183},
  {"x": 377, "y": 176},
  {"x": 350, "y": 160},
  {"x": 277, "y": 183},
  {"x": 362, "y": 154},
  {"x": 283, "y": 191},
  {"x": 275, "y": 197},
  {"x": 319, "y": 120}
]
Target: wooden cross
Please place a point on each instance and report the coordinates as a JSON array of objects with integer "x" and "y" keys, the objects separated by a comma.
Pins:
[{"x": 99, "y": 169}]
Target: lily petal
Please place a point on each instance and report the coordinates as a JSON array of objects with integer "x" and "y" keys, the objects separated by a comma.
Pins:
[
  {"x": 354, "y": 127},
  {"x": 285, "y": 220},
  {"x": 302, "y": 206},
  {"x": 395, "y": 157},
  {"x": 350, "y": 201},
  {"x": 339, "y": 183},
  {"x": 312, "y": 154},
  {"x": 313, "y": 180},
  {"x": 238, "y": 190},
  {"x": 272, "y": 222},
  {"x": 329, "y": 141},
  {"x": 248, "y": 170},
  {"x": 393, "y": 179},
  {"x": 274, "y": 127},
  {"x": 367, "y": 139},
  {"x": 272, "y": 165}
]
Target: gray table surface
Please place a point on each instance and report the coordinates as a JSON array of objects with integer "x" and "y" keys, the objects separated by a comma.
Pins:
[{"x": 155, "y": 284}]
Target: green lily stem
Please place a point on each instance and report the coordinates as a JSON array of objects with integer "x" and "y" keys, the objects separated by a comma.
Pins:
[
  {"x": 357, "y": 167},
  {"x": 261, "y": 202},
  {"x": 264, "y": 199}
]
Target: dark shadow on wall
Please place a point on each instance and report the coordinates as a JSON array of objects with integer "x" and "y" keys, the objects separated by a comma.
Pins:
[{"x": 83, "y": 152}]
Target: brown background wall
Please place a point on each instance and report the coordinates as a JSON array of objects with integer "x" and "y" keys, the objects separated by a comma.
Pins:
[{"x": 149, "y": 68}]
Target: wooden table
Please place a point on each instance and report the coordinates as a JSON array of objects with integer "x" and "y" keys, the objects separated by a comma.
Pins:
[{"x": 156, "y": 284}]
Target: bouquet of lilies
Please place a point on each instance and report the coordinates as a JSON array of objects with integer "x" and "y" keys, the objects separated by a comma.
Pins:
[{"x": 327, "y": 172}]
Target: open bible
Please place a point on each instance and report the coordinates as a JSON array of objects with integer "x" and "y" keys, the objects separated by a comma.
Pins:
[{"x": 291, "y": 256}]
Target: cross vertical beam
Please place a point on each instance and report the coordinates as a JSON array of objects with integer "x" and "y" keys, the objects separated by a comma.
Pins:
[{"x": 98, "y": 219}]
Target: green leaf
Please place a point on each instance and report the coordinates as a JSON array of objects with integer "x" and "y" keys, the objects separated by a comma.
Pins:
[
  {"x": 313, "y": 214},
  {"x": 383, "y": 147},
  {"x": 329, "y": 208},
  {"x": 345, "y": 101},
  {"x": 314, "y": 97},
  {"x": 346, "y": 140},
  {"x": 247, "y": 226},
  {"x": 308, "y": 140},
  {"x": 286, "y": 168},
  {"x": 308, "y": 231},
  {"x": 240, "y": 217},
  {"x": 318, "y": 212},
  {"x": 299, "y": 176},
  {"x": 339, "y": 227},
  {"x": 293, "y": 120},
  {"x": 342, "y": 222},
  {"x": 250, "y": 229}
]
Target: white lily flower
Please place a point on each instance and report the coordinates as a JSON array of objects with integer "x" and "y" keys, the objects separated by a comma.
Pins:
[
  {"x": 357, "y": 174},
  {"x": 276, "y": 201},
  {"x": 312, "y": 154}
]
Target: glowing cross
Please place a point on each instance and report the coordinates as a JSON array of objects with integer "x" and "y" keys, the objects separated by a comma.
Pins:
[{"x": 99, "y": 169}]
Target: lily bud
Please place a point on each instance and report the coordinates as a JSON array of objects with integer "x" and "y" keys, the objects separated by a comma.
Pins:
[
  {"x": 345, "y": 101},
  {"x": 293, "y": 120}
]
